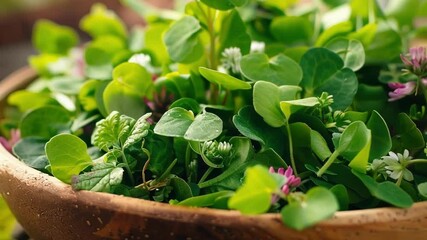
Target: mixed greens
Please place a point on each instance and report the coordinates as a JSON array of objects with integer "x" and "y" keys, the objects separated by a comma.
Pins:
[{"x": 260, "y": 106}]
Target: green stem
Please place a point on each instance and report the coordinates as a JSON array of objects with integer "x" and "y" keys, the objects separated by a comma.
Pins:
[
  {"x": 125, "y": 161},
  {"x": 399, "y": 180},
  {"x": 291, "y": 149},
  {"x": 371, "y": 11},
  {"x": 188, "y": 153},
  {"x": 207, "y": 173},
  {"x": 421, "y": 88},
  {"x": 328, "y": 163},
  {"x": 416, "y": 161}
]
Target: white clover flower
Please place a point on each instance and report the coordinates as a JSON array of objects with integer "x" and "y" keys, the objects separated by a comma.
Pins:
[
  {"x": 231, "y": 59},
  {"x": 143, "y": 60},
  {"x": 257, "y": 47},
  {"x": 396, "y": 165}
]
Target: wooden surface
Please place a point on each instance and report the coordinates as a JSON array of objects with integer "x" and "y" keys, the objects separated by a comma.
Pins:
[{"x": 50, "y": 209}]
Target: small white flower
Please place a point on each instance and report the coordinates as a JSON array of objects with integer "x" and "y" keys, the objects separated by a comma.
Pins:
[
  {"x": 142, "y": 59},
  {"x": 396, "y": 165},
  {"x": 231, "y": 59},
  {"x": 257, "y": 47}
]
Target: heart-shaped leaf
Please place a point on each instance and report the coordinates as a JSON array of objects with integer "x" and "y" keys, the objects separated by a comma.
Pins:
[
  {"x": 280, "y": 70},
  {"x": 269, "y": 107},
  {"x": 354, "y": 145},
  {"x": 251, "y": 125},
  {"x": 174, "y": 122},
  {"x": 206, "y": 126},
  {"x": 319, "y": 204},
  {"x": 408, "y": 136},
  {"x": 351, "y": 52},
  {"x": 45, "y": 122},
  {"x": 182, "y": 40},
  {"x": 254, "y": 197},
  {"x": 324, "y": 72},
  {"x": 124, "y": 94},
  {"x": 31, "y": 151},
  {"x": 179, "y": 122},
  {"x": 49, "y": 37},
  {"x": 67, "y": 155},
  {"x": 381, "y": 140}
]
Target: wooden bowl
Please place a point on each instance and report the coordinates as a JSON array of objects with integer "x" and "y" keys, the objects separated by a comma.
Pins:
[{"x": 50, "y": 209}]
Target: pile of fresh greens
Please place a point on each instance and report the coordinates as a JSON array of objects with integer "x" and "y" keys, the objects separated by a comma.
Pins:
[{"x": 259, "y": 106}]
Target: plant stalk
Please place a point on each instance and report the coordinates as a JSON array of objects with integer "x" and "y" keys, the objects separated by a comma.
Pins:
[
  {"x": 291, "y": 150},
  {"x": 328, "y": 163},
  {"x": 125, "y": 161}
]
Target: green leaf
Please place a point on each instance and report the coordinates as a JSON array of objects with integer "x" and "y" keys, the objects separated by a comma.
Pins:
[
  {"x": 319, "y": 204},
  {"x": 408, "y": 136},
  {"x": 254, "y": 197},
  {"x": 38, "y": 99},
  {"x": 42, "y": 63},
  {"x": 292, "y": 106},
  {"x": 139, "y": 131},
  {"x": 45, "y": 122},
  {"x": 386, "y": 191},
  {"x": 174, "y": 122},
  {"x": 324, "y": 72},
  {"x": 279, "y": 4},
  {"x": 354, "y": 145},
  {"x": 351, "y": 52},
  {"x": 154, "y": 41},
  {"x": 67, "y": 155},
  {"x": 381, "y": 140},
  {"x": 233, "y": 33},
  {"x": 365, "y": 34},
  {"x": 31, "y": 151},
  {"x": 124, "y": 94},
  {"x": 341, "y": 194},
  {"x": 49, "y": 37},
  {"x": 133, "y": 76},
  {"x": 338, "y": 30},
  {"x": 101, "y": 178},
  {"x": 101, "y": 22},
  {"x": 224, "y": 4},
  {"x": 206, "y": 126},
  {"x": 112, "y": 131},
  {"x": 422, "y": 189},
  {"x": 181, "y": 188},
  {"x": 187, "y": 103},
  {"x": 291, "y": 30},
  {"x": 269, "y": 107},
  {"x": 206, "y": 200},
  {"x": 385, "y": 46},
  {"x": 319, "y": 145},
  {"x": 280, "y": 70},
  {"x": 251, "y": 125},
  {"x": 182, "y": 41},
  {"x": 224, "y": 80}
]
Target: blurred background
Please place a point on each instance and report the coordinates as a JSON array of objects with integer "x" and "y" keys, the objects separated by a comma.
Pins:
[{"x": 17, "y": 18}]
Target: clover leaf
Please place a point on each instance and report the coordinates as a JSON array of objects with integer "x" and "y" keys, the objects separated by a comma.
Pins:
[
  {"x": 67, "y": 155},
  {"x": 318, "y": 204}
]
